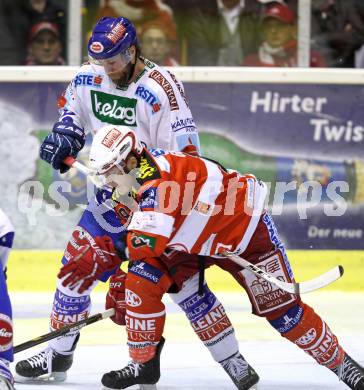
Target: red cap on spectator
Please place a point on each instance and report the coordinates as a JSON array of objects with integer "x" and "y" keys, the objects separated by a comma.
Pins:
[
  {"x": 279, "y": 11},
  {"x": 43, "y": 26}
]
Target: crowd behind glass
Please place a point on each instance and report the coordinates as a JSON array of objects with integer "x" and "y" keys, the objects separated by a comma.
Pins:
[{"x": 192, "y": 32}]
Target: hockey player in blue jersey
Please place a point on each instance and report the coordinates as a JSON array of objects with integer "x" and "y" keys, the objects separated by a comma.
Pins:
[{"x": 6, "y": 326}]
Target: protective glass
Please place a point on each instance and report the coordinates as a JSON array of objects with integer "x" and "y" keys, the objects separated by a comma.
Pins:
[{"x": 115, "y": 63}]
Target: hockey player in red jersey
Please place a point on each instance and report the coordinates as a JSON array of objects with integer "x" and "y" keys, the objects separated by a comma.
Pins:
[{"x": 193, "y": 205}]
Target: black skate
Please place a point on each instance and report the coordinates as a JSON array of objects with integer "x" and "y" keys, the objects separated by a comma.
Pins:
[
  {"x": 135, "y": 373},
  {"x": 241, "y": 373},
  {"x": 351, "y": 373},
  {"x": 46, "y": 365}
]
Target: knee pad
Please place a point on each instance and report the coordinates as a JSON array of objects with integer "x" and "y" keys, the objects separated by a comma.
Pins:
[
  {"x": 208, "y": 319},
  {"x": 302, "y": 326}
]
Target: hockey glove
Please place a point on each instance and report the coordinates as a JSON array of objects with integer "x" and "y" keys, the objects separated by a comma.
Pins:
[
  {"x": 115, "y": 297},
  {"x": 88, "y": 262},
  {"x": 65, "y": 140}
]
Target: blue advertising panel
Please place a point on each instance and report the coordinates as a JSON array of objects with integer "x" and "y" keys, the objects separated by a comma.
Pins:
[{"x": 305, "y": 141}]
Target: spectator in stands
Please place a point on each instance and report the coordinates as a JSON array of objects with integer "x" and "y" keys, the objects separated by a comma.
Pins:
[
  {"x": 156, "y": 44},
  {"x": 140, "y": 12},
  {"x": 16, "y": 19},
  {"x": 45, "y": 46},
  {"x": 222, "y": 32},
  {"x": 337, "y": 30},
  {"x": 279, "y": 39},
  {"x": 49, "y": 11},
  {"x": 12, "y": 40}
]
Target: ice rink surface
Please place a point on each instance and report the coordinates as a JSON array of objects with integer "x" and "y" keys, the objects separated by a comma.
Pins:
[{"x": 186, "y": 364}]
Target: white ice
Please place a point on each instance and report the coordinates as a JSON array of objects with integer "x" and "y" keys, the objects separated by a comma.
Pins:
[{"x": 186, "y": 364}]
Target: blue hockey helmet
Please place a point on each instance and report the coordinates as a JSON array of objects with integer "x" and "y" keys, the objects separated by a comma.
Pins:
[{"x": 111, "y": 36}]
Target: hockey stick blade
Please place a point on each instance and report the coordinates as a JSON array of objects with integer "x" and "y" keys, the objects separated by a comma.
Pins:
[
  {"x": 293, "y": 288},
  {"x": 66, "y": 329}
]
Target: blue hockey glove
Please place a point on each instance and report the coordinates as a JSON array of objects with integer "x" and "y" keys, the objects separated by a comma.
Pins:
[{"x": 65, "y": 140}]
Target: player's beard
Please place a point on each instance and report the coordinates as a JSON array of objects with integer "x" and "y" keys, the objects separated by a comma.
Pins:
[{"x": 122, "y": 79}]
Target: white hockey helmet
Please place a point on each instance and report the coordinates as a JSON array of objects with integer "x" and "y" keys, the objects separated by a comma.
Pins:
[{"x": 111, "y": 146}]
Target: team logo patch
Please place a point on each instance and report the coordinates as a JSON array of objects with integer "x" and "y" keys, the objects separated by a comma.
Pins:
[
  {"x": 147, "y": 169},
  {"x": 307, "y": 338},
  {"x": 6, "y": 332},
  {"x": 141, "y": 240},
  {"x": 61, "y": 101},
  {"x": 97, "y": 47},
  {"x": 146, "y": 271},
  {"x": 186, "y": 124},
  {"x": 132, "y": 299},
  {"x": 157, "y": 152},
  {"x": 111, "y": 137},
  {"x": 197, "y": 306},
  {"x": 97, "y": 80},
  {"x": 149, "y": 200},
  {"x": 267, "y": 297},
  {"x": 289, "y": 320},
  {"x": 179, "y": 86},
  {"x": 167, "y": 87},
  {"x": 147, "y": 95},
  {"x": 87, "y": 79},
  {"x": 114, "y": 109},
  {"x": 116, "y": 33}
]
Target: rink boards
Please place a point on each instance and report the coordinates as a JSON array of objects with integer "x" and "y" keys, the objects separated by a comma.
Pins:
[{"x": 306, "y": 264}]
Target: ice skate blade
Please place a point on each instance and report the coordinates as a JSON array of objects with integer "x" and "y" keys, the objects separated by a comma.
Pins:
[
  {"x": 136, "y": 387},
  {"x": 46, "y": 378}
]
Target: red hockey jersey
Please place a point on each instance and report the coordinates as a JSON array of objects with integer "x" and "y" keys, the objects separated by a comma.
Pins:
[{"x": 193, "y": 205}]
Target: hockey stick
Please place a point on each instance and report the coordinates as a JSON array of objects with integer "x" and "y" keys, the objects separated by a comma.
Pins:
[
  {"x": 73, "y": 163},
  {"x": 293, "y": 288},
  {"x": 66, "y": 329}
]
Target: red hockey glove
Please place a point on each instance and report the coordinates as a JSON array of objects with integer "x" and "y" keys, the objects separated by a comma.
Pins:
[
  {"x": 115, "y": 297},
  {"x": 88, "y": 260}
]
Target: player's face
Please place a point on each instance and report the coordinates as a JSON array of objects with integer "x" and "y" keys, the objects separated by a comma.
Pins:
[
  {"x": 118, "y": 67},
  {"x": 117, "y": 178},
  {"x": 112, "y": 175}
]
